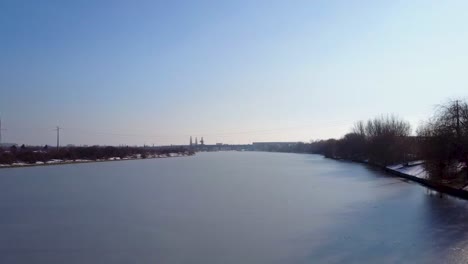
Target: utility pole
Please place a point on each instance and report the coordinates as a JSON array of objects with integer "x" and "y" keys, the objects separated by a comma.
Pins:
[
  {"x": 1, "y": 129},
  {"x": 58, "y": 136},
  {"x": 458, "y": 119}
]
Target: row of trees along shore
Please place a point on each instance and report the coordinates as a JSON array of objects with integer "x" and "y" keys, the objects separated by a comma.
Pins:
[
  {"x": 441, "y": 142},
  {"x": 32, "y": 154}
]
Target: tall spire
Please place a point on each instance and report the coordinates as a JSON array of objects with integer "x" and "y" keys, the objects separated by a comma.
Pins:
[
  {"x": 191, "y": 141},
  {"x": 202, "y": 142},
  {"x": 196, "y": 141}
]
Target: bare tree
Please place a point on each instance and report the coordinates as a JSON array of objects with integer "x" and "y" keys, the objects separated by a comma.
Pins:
[
  {"x": 386, "y": 136},
  {"x": 359, "y": 128},
  {"x": 445, "y": 140}
]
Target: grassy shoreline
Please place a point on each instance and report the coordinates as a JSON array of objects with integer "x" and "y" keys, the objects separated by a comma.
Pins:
[{"x": 71, "y": 162}]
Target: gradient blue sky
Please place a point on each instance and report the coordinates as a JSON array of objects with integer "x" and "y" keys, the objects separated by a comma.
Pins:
[{"x": 135, "y": 72}]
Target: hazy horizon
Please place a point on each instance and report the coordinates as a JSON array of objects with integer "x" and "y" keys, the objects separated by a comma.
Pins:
[{"x": 154, "y": 72}]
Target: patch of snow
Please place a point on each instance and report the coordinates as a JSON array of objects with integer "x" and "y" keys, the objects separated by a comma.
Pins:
[
  {"x": 395, "y": 167},
  {"x": 460, "y": 166},
  {"x": 53, "y": 161},
  {"x": 416, "y": 162},
  {"x": 416, "y": 169}
]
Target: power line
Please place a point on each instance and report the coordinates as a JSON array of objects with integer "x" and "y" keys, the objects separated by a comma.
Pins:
[
  {"x": 220, "y": 133},
  {"x": 304, "y": 126}
]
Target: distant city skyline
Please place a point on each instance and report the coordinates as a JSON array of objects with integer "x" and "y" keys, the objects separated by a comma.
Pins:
[{"x": 158, "y": 72}]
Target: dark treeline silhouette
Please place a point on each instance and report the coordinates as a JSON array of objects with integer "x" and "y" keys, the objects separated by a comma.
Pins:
[
  {"x": 31, "y": 154},
  {"x": 383, "y": 140},
  {"x": 297, "y": 147},
  {"x": 444, "y": 141},
  {"x": 441, "y": 142}
]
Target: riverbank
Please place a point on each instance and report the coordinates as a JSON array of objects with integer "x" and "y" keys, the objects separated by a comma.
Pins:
[
  {"x": 440, "y": 187},
  {"x": 81, "y": 161},
  {"x": 413, "y": 173}
]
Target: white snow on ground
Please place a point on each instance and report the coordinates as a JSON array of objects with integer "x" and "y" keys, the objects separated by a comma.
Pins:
[
  {"x": 395, "y": 167},
  {"x": 417, "y": 170},
  {"x": 54, "y": 161},
  {"x": 416, "y": 162},
  {"x": 58, "y": 161}
]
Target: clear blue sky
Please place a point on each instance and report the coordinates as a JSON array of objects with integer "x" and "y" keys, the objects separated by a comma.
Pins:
[{"x": 135, "y": 72}]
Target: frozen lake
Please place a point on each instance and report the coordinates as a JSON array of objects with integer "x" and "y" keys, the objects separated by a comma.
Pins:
[{"x": 225, "y": 207}]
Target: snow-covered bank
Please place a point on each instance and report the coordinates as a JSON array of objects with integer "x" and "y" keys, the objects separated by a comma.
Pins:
[
  {"x": 415, "y": 171},
  {"x": 78, "y": 161},
  {"x": 415, "y": 168}
]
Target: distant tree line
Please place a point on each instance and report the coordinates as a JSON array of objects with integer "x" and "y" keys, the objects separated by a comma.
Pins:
[
  {"x": 32, "y": 154},
  {"x": 383, "y": 140},
  {"x": 442, "y": 142}
]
